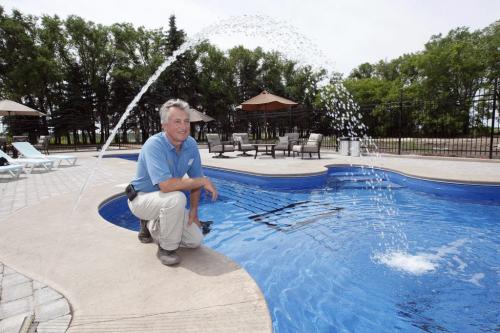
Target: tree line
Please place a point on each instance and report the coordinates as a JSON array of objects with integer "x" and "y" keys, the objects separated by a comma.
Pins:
[
  {"x": 437, "y": 86},
  {"x": 84, "y": 75}
]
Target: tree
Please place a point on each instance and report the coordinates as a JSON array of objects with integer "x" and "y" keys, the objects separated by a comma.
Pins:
[
  {"x": 216, "y": 85},
  {"x": 28, "y": 72},
  {"x": 84, "y": 75},
  {"x": 364, "y": 71},
  {"x": 442, "y": 81},
  {"x": 95, "y": 55}
]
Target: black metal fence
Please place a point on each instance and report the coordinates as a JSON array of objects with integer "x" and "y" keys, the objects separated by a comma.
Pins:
[
  {"x": 478, "y": 147},
  {"x": 460, "y": 129},
  {"x": 457, "y": 129},
  {"x": 444, "y": 126}
]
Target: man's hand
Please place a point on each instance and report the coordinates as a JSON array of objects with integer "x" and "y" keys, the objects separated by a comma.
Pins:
[{"x": 210, "y": 188}]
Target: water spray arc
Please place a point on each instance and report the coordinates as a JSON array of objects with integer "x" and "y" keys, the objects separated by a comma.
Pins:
[
  {"x": 248, "y": 25},
  {"x": 339, "y": 104}
]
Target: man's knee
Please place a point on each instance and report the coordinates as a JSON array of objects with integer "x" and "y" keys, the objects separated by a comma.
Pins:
[
  {"x": 194, "y": 240},
  {"x": 193, "y": 244},
  {"x": 179, "y": 198}
]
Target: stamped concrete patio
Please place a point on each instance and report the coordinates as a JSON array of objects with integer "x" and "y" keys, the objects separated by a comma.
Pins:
[{"x": 113, "y": 283}]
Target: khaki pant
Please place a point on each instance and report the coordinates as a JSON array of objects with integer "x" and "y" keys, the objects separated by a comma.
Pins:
[{"x": 168, "y": 219}]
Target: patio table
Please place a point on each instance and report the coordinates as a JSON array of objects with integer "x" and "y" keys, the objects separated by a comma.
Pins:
[{"x": 264, "y": 145}]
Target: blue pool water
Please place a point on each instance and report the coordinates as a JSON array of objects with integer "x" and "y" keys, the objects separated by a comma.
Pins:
[{"x": 366, "y": 251}]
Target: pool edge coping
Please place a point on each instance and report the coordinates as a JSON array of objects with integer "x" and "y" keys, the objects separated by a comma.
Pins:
[{"x": 330, "y": 166}]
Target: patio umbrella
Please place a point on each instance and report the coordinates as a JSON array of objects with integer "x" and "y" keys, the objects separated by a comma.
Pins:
[
  {"x": 11, "y": 108},
  {"x": 196, "y": 116},
  {"x": 265, "y": 102}
]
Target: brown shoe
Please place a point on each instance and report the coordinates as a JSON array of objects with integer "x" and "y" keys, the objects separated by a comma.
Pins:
[
  {"x": 144, "y": 234},
  {"x": 167, "y": 257}
]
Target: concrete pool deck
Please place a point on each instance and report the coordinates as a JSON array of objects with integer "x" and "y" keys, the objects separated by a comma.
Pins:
[{"x": 114, "y": 283}]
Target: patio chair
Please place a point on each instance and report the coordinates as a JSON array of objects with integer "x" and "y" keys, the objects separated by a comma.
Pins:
[
  {"x": 13, "y": 170},
  {"x": 243, "y": 142},
  {"x": 28, "y": 151},
  {"x": 287, "y": 144},
  {"x": 28, "y": 163},
  {"x": 218, "y": 147},
  {"x": 293, "y": 138},
  {"x": 43, "y": 144},
  {"x": 312, "y": 146},
  {"x": 283, "y": 144}
]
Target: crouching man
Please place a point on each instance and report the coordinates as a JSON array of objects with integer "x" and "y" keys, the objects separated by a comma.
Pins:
[{"x": 156, "y": 194}]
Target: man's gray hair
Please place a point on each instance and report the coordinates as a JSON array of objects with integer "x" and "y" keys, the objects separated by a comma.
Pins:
[{"x": 168, "y": 105}]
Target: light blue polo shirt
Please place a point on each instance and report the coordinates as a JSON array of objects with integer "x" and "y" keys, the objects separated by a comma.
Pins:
[{"x": 159, "y": 161}]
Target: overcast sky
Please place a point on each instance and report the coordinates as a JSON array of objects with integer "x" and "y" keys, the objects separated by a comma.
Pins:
[{"x": 349, "y": 32}]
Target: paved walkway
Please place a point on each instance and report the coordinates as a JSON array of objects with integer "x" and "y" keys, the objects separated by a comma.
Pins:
[
  {"x": 22, "y": 297},
  {"x": 41, "y": 185},
  {"x": 112, "y": 282},
  {"x": 53, "y": 254}
]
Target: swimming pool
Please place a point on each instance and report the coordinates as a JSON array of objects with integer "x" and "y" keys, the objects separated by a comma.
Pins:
[{"x": 364, "y": 250}]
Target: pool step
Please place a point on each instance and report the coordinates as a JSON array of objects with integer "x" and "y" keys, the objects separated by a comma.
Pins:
[
  {"x": 361, "y": 181},
  {"x": 255, "y": 202},
  {"x": 365, "y": 185},
  {"x": 295, "y": 215}
]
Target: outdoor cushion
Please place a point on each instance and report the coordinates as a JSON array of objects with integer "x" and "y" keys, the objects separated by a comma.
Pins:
[
  {"x": 309, "y": 149},
  {"x": 314, "y": 140},
  {"x": 243, "y": 136},
  {"x": 305, "y": 149},
  {"x": 216, "y": 146},
  {"x": 293, "y": 138},
  {"x": 213, "y": 139},
  {"x": 247, "y": 146},
  {"x": 313, "y": 145},
  {"x": 243, "y": 142},
  {"x": 282, "y": 144},
  {"x": 239, "y": 139},
  {"x": 218, "y": 149}
]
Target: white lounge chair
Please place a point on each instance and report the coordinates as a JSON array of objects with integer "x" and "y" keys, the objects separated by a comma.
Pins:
[
  {"x": 28, "y": 151},
  {"x": 13, "y": 170},
  {"x": 28, "y": 163}
]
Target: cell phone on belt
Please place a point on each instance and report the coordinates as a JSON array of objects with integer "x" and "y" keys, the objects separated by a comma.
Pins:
[{"x": 130, "y": 192}]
